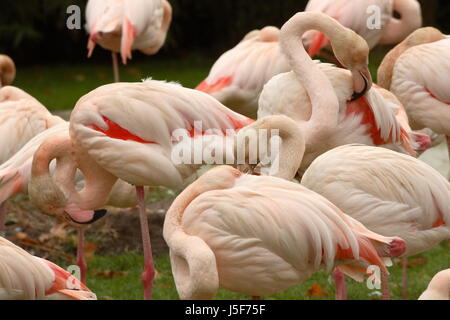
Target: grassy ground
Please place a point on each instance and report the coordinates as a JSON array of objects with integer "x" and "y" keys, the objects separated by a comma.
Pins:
[
  {"x": 118, "y": 277},
  {"x": 59, "y": 87}
]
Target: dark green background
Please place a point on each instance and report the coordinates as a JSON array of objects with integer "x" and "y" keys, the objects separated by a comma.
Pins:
[{"x": 34, "y": 31}]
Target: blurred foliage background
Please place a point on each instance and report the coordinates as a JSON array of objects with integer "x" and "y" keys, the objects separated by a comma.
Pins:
[{"x": 34, "y": 31}]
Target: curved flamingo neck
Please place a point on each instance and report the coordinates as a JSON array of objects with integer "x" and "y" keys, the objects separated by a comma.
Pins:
[
  {"x": 325, "y": 104},
  {"x": 411, "y": 19},
  {"x": 98, "y": 184}
]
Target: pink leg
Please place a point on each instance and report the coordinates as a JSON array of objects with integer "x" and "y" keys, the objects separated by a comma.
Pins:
[
  {"x": 385, "y": 286},
  {"x": 341, "y": 287},
  {"x": 404, "y": 278},
  {"x": 149, "y": 271},
  {"x": 81, "y": 262},
  {"x": 115, "y": 67},
  {"x": 2, "y": 218},
  {"x": 448, "y": 144}
]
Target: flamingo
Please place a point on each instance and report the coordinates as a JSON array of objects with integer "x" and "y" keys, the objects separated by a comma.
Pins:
[
  {"x": 355, "y": 15},
  {"x": 237, "y": 78},
  {"x": 390, "y": 193},
  {"x": 259, "y": 235},
  {"x": 439, "y": 287},
  {"x": 416, "y": 71},
  {"x": 26, "y": 277},
  {"x": 126, "y": 25},
  {"x": 113, "y": 137},
  {"x": 16, "y": 178},
  {"x": 338, "y": 103},
  {"x": 7, "y": 70},
  {"x": 21, "y": 118}
]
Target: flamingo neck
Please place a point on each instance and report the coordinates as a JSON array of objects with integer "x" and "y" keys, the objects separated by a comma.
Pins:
[
  {"x": 98, "y": 184},
  {"x": 325, "y": 104}
]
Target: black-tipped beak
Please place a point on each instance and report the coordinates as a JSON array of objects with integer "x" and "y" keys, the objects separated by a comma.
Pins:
[
  {"x": 357, "y": 95},
  {"x": 98, "y": 214}
]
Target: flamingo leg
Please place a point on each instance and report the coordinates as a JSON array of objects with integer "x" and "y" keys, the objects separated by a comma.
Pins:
[
  {"x": 341, "y": 287},
  {"x": 404, "y": 278},
  {"x": 115, "y": 67},
  {"x": 385, "y": 286},
  {"x": 2, "y": 219},
  {"x": 448, "y": 145},
  {"x": 149, "y": 270},
  {"x": 81, "y": 262}
]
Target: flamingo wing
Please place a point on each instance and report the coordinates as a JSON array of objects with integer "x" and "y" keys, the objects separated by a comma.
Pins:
[
  {"x": 139, "y": 15},
  {"x": 237, "y": 78},
  {"x": 425, "y": 94}
]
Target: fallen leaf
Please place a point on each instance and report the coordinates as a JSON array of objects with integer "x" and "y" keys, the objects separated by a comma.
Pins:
[
  {"x": 316, "y": 291},
  {"x": 415, "y": 262},
  {"x": 89, "y": 249},
  {"x": 59, "y": 231}
]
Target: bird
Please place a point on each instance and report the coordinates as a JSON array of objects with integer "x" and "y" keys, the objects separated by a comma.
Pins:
[
  {"x": 358, "y": 14},
  {"x": 416, "y": 71},
  {"x": 388, "y": 192},
  {"x": 439, "y": 287},
  {"x": 26, "y": 277},
  {"x": 237, "y": 78},
  {"x": 259, "y": 235},
  {"x": 333, "y": 105},
  {"x": 16, "y": 175},
  {"x": 7, "y": 70},
  {"x": 21, "y": 118},
  {"x": 126, "y": 25},
  {"x": 112, "y": 138}
]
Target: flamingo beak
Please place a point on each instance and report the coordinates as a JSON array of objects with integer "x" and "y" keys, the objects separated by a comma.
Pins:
[
  {"x": 84, "y": 217},
  {"x": 362, "y": 82}
]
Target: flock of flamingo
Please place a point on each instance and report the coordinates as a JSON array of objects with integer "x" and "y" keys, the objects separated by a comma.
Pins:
[{"x": 349, "y": 192}]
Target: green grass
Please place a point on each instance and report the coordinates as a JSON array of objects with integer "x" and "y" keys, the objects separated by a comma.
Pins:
[
  {"x": 59, "y": 87},
  {"x": 128, "y": 286}
]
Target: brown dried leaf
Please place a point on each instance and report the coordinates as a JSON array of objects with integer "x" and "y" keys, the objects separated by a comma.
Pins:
[
  {"x": 316, "y": 291},
  {"x": 415, "y": 262},
  {"x": 89, "y": 249}
]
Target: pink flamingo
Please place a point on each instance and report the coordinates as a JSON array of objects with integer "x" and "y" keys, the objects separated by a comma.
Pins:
[
  {"x": 21, "y": 118},
  {"x": 390, "y": 193},
  {"x": 355, "y": 15},
  {"x": 26, "y": 277},
  {"x": 7, "y": 70},
  {"x": 237, "y": 78},
  {"x": 261, "y": 235},
  {"x": 126, "y": 25},
  {"x": 337, "y": 102},
  {"x": 439, "y": 287},
  {"x": 16, "y": 177},
  {"x": 416, "y": 71},
  {"x": 111, "y": 142}
]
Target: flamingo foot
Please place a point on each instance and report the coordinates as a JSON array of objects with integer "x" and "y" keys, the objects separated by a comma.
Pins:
[
  {"x": 149, "y": 271},
  {"x": 397, "y": 247},
  {"x": 81, "y": 262},
  {"x": 341, "y": 287},
  {"x": 404, "y": 278}
]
